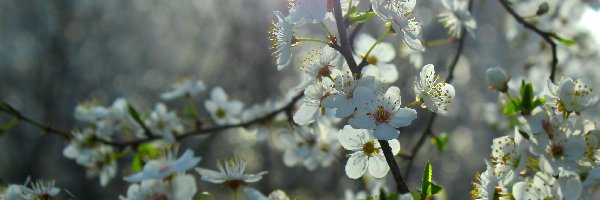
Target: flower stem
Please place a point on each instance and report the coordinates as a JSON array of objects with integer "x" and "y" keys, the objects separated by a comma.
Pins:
[
  {"x": 234, "y": 194},
  {"x": 439, "y": 42},
  {"x": 325, "y": 28},
  {"x": 389, "y": 30}
]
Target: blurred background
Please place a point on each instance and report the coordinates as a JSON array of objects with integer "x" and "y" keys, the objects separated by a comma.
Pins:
[{"x": 55, "y": 54}]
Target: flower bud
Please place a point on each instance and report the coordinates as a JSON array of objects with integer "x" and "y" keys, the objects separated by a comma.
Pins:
[{"x": 497, "y": 79}]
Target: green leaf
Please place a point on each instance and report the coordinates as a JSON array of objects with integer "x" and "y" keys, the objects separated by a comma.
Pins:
[
  {"x": 526, "y": 97},
  {"x": 539, "y": 102},
  {"x": 135, "y": 115},
  {"x": 426, "y": 181},
  {"x": 9, "y": 125},
  {"x": 435, "y": 189},
  {"x": 137, "y": 164},
  {"x": 511, "y": 108},
  {"x": 565, "y": 41},
  {"x": 352, "y": 11},
  {"x": 362, "y": 17},
  {"x": 441, "y": 142},
  {"x": 427, "y": 187},
  {"x": 542, "y": 9}
]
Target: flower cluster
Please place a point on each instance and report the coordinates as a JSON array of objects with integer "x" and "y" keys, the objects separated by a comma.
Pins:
[{"x": 552, "y": 153}]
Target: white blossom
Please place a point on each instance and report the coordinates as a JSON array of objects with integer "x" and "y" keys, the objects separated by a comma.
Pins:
[
  {"x": 544, "y": 186},
  {"x": 381, "y": 57},
  {"x": 319, "y": 65},
  {"x": 222, "y": 109},
  {"x": 436, "y": 96},
  {"x": 98, "y": 158},
  {"x": 311, "y": 146},
  {"x": 455, "y": 16},
  {"x": 576, "y": 95},
  {"x": 182, "y": 187},
  {"x": 367, "y": 153},
  {"x": 381, "y": 112},
  {"x": 310, "y": 105},
  {"x": 165, "y": 166},
  {"x": 282, "y": 40},
  {"x": 398, "y": 13},
  {"x": 307, "y": 11},
  {"x": 232, "y": 173},
  {"x": 184, "y": 87},
  {"x": 164, "y": 123}
]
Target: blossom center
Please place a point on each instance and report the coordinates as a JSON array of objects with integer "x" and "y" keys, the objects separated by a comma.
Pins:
[
  {"x": 234, "y": 184},
  {"x": 371, "y": 59},
  {"x": 220, "y": 113},
  {"x": 160, "y": 197},
  {"x": 369, "y": 148},
  {"x": 557, "y": 151},
  {"x": 325, "y": 71},
  {"x": 382, "y": 115}
]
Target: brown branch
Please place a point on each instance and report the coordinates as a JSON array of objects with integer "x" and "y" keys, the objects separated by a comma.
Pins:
[
  {"x": 344, "y": 46},
  {"x": 134, "y": 143},
  {"x": 547, "y": 36},
  {"x": 389, "y": 157}
]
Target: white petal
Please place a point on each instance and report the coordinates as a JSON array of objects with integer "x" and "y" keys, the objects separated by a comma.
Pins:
[
  {"x": 378, "y": 167},
  {"x": 384, "y": 52},
  {"x": 351, "y": 139},
  {"x": 362, "y": 121},
  {"x": 388, "y": 73},
  {"x": 385, "y": 132},
  {"x": 218, "y": 94},
  {"x": 356, "y": 166},
  {"x": 395, "y": 145},
  {"x": 184, "y": 187},
  {"x": 403, "y": 117},
  {"x": 306, "y": 113}
]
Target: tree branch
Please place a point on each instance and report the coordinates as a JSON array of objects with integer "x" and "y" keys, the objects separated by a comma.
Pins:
[
  {"x": 344, "y": 46},
  {"x": 547, "y": 36},
  {"x": 134, "y": 143},
  {"x": 389, "y": 157}
]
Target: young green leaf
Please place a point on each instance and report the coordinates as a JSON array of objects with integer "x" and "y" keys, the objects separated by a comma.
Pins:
[
  {"x": 565, "y": 41},
  {"x": 136, "y": 164},
  {"x": 440, "y": 142},
  {"x": 511, "y": 108},
  {"x": 363, "y": 17},
  {"x": 427, "y": 187},
  {"x": 135, "y": 115},
  {"x": 8, "y": 125}
]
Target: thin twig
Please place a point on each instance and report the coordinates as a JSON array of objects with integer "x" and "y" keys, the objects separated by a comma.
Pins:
[
  {"x": 135, "y": 143},
  {"x": 356, "y": 30},
  {"x": 546, "y": 35},
  {"x": 45, "y": 127},
  {"x": 344, "y": 44},
  {"x": 389, "y": 157}
]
